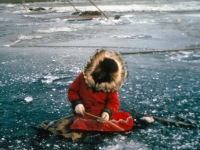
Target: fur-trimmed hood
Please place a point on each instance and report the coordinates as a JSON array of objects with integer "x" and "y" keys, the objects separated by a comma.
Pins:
[{"x": 117, "y": 78}]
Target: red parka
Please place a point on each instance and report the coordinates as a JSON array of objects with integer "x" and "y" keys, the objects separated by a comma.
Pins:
[{"x": 95, "y": 102}]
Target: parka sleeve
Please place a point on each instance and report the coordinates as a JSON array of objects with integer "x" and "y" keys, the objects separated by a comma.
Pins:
[
  {"x": 112, "y": 102},
  {"x": 73, "y": 91}
]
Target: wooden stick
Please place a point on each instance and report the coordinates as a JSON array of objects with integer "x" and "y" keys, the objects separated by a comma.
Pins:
[
  {"x": 111, "y": 123},
  {"x": 23, "y": 1},
  {"x": 98, "y": 9},
  {"x": 159, "y": 51},
  {"x": 73, "y": 6}
]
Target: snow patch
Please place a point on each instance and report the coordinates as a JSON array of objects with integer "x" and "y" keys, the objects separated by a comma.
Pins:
[
  {"x": 28, "y": 99},
  {"x": 49, "y": 79},
  {"x": 21, "y": 38},
  {"x": 25, "y": 37},
  {"x": 10, "y": 5},
  {"x": 61, "y": 29}
]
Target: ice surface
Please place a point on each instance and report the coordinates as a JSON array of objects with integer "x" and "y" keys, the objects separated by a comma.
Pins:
[
  {"x": 41, "y": 53},
  {"x": 149, "y": 19}
]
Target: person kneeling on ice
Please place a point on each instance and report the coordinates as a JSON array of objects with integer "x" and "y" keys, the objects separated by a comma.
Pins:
[{"x": 94, "y": 96}]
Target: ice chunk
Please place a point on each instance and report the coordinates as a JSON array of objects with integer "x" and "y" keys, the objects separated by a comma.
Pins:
[
  {"x": 147, "y": 119},
  {"x": 49, "y": 79},
  {"x": 28, "y": 99}
]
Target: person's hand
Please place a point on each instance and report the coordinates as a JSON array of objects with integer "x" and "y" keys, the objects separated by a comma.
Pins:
[
  {"x": 104, "y": 117},
  {"x": 80, "y": 109}
]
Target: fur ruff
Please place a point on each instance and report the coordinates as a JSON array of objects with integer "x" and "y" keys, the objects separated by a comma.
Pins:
[{"x": 118, "y": 77}]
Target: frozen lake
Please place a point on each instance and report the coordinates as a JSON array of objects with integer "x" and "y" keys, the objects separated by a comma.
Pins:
[{"x": 42, "y": 52}]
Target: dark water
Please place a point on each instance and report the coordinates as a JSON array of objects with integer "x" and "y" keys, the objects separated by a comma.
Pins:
[{"x": 41, "y": 54}]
